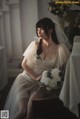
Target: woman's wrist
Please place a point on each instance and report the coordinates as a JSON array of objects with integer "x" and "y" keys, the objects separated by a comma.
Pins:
[{"x": 37, "y": 78}]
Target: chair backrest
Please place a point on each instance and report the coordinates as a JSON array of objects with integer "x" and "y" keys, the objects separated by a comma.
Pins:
[{"x": 47, "y": 108}]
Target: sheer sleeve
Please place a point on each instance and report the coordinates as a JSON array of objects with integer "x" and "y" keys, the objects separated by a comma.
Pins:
[
  {"x": 30, "y": 51},
  {"x": 63, "y": 55}
]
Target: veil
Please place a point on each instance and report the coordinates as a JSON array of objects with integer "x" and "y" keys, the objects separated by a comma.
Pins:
[{"x": 61, "y": 36}]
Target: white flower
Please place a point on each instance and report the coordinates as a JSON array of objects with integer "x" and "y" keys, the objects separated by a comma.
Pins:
[{"x": 53, "y": 79}]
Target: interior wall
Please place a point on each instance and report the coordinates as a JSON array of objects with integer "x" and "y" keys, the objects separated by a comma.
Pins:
[{"x": 29, "y": 17}]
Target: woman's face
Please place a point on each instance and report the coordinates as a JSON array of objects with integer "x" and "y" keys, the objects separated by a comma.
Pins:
[{"x": 41, "y": 33}]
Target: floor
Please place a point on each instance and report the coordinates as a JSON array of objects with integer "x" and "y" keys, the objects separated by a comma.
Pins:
[{"x": 4, "y": 92}]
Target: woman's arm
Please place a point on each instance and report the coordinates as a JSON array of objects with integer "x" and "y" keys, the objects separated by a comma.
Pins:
[{"x": 30, "y": 71}]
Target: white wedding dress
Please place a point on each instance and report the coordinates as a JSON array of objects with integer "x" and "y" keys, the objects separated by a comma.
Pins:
[{"x": 23, "y": 85}]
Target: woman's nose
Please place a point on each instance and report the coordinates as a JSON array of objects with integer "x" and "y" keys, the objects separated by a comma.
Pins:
[{"x": 39, "y": 31}]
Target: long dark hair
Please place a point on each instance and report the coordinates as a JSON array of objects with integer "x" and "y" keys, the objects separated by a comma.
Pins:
[{"x": 47, "y": 24}]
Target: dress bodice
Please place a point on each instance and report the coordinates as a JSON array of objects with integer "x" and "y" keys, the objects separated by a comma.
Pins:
[{"x": 40, "y": 64}]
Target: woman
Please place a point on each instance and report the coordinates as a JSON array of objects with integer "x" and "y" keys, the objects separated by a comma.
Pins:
[{"x": 43, "y": 54}]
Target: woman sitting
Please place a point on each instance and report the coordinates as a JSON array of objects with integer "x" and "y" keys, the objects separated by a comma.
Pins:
[{"x": 47, "y": 52}]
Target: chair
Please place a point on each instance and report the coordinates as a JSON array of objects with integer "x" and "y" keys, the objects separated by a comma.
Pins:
[
  {"x": 47, "y": 108},
  {"x": 50, "y": 108}
]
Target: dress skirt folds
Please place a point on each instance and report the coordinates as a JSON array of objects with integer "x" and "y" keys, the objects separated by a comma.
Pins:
[{"x": 21, "y": 88}]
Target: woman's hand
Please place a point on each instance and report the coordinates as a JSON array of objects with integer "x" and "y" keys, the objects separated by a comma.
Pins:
[
  {"x": 30, "y": 71},
  {"x": 37, "y": 78}
]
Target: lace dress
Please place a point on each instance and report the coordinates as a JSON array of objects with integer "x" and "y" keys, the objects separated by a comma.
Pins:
[{"x": 23, "y": 85}]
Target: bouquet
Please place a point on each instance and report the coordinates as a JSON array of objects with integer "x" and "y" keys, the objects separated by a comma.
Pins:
[{"x": 51, "y": 77}]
